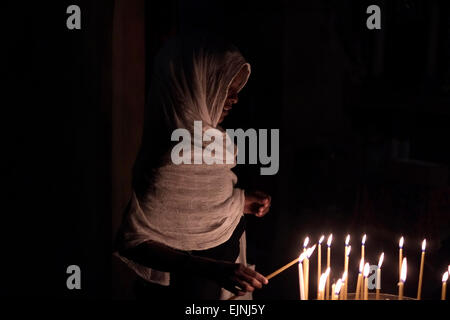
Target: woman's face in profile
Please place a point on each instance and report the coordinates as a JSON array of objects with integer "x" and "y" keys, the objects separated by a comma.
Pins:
[{"x": 232, "y": 98}]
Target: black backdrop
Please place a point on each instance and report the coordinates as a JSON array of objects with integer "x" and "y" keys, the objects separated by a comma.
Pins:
[{"x": 339, "y": 93}]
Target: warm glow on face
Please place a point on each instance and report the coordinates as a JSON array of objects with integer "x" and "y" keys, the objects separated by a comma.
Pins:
[
  {"x": 380, "y": 262},
  {"x": 363, "y": 240},
  {"x": 347, "y": 240},
  {"x": 400, "y": 243},
  {"x": 338, "y": 286},
  {"x": 305, "y": 243},
  {"x": 330, "y": 238},
  {"x": 348, "y": 250},
  {"x": 403, "y": 273},
  {"x": 445, "y": 277},
  {"x": 321, "y": 239},
  {"x": 424, "y": 244},
  {"x": 361, "y": 265},
  {"x": 366, "y": 270},
  {"x": 310, "y": 251}
]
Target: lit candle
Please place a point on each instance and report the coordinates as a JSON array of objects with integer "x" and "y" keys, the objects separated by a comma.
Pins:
[
  {"x": 301, "y": 282},
  {"x": 309, "y": 252},
  {"x": 346, "y": 270},
  {"x": 358, "y": 283},
  {"x": 337, "y": 289},
  {"x": 400, "y": 257},
  {"x": 378, "y": 280},
  {"x": 319, "y": 262},
  {"x": 402, "y": 280},
  {"x": 444, "y": 285},
  {"x": 347, "y": 240},
  {"x": 419, "y": 288},
  {"x": 366, "y": 281},
  {"x": 344, "y": 285},
  {"x": 305, "y": 243},
  {"x": 323, "y": 280},
  {"x": 363, "y": 244},
  {"x": 330, "y": 238},
  {"x": 333, "y": 286}
]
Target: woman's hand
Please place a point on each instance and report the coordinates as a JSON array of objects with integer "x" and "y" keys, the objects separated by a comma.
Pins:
[
  {"x": 257, "y": 203},
  {"x": 237, "y": 278}
]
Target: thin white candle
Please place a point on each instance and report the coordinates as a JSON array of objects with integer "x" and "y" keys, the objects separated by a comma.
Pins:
[
  {"x": 358, "y": 283},
  {"x": 319, "y": 263},
  {"x": 330, "y": 238},
  {"x": 323, "y": 280},
  {"x": 402, "y": 279},
  {"x": 378, "y": 279},
  {"x": 400, "y": 257},
  {"x": 444, "y": 285},
  {"x": 301, "y": 282},
  {"x": 363, "y": 246},
  {"x": 422, "y": 260},
  {"x": 337, "y": 288},
  {"x": 366, "y": 281}
]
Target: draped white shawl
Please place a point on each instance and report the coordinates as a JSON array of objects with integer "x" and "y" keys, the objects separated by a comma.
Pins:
[{"x": 189, "y": 206}]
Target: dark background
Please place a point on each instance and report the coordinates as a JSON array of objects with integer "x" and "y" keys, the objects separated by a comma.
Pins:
[{"x": 363, "y": 118}]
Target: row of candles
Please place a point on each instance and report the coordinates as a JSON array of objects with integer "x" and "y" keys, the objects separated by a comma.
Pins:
[{"x": 339, "y": 289}]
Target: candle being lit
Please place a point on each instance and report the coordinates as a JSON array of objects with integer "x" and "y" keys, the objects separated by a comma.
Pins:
[
  {"x": 319, "y": 262},
  {"x": 358, "y": 283},
  {"x": 363, "y": 244},
  {"x": 378, "y": 279},
  {"x": 419, "y": 288},
  {"x": 301, "y": 282},
  {"x": 323, "y": 280},
  {"x": 402, "y": 280},
  {"x": 444, "y": 285},
  {"x": 309, "y": 252},
  {"x": 366, "y": 281},
  {"x": 330, "y": 238},
  {"x": 400, "y": 257}
]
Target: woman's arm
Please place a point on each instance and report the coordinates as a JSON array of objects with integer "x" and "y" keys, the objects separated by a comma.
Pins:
[{"x": 234, "y": 277}]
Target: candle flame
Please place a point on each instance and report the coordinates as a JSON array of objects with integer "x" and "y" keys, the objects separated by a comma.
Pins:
[
  {"x": 310, "y": 251},
  {"x": 445, "y": 276},
  {"x": 361, "y": 265},
  {"x": 330, "y": 238},
  {"x": 301, "y": 257},
  {"x": 348, "y": 250},
  {"x": 323, "y": 279},
  {"x": 347, "y": 240},
  {"x": 424, "y": 244},
  {"x": 366, "y": 270},
  {"x": 305, "y": 243},
  {"x": 400, "y": 243},
  {"x": 344, "y": 276},
  {"x": 403, "y": 273},
  {"x": 363, "y": 239},
  {"x": 338, "y": 286},
  {"x": 321, "y": 239},
  {"x": 380, "y": 262}
]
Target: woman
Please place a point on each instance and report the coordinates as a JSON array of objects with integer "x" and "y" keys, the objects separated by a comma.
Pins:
[{"x": 183, "y": 232}]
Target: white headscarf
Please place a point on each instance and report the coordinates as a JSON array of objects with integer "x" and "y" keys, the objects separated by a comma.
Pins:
[{"x": 187, "y": 206}]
